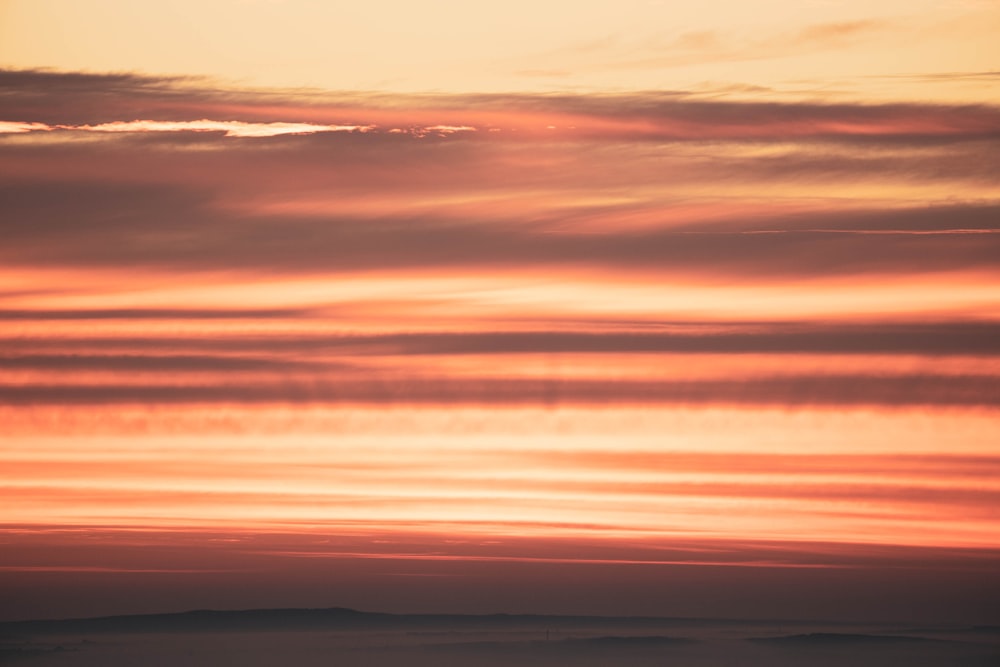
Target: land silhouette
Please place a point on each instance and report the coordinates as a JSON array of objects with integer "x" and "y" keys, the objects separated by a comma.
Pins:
[{"x": 344, "y": 636}]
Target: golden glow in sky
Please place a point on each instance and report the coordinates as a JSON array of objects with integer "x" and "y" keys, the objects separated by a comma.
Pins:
[{"x": 805, "y": 49}]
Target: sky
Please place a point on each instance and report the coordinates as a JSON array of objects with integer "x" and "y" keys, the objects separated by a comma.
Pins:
[{"x": 633, "y": 307}]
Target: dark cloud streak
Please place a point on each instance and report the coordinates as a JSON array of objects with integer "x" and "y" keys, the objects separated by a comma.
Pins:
[
  {"x": 823, "y": 390},
  {"x": 168, "y": 228},
  {"x": 922, "y": 338},
  {"x": 87, "y": 99},
  {"x": 157, "y": 362}
]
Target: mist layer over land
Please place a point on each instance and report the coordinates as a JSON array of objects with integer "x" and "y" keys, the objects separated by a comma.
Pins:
[{"x": 347, "y": 637}]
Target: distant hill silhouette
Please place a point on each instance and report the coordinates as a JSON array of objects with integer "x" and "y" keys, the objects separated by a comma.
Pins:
[
  {"x": 334, "y": 618},
  {"x": 831, "y": 639},
  {"x": 604, "y": 641}
]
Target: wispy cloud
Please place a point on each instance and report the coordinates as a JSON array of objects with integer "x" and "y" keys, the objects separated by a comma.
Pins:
[
  {"x": 229, "y": 128},
  {"x": 306, "y": 183},
  {"x": 191, "y": 226},
  {"x": 143, "y": 104},
  {"x": 700, "y": 47},
  {"x": 823, "y": 390}
]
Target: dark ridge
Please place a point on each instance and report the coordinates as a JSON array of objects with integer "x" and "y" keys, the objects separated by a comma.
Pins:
[
  {"x": 567, "y": 645},
  {"x": 832, "y": 639},
  {"x": 986, "y": 629},
  {"x": 9, "y": 653},
  {"x": 949, "y": 629},
  {"x": 334, "y": 618},
  {"x": 641, "y": 640},
  {"x": 201, "y": 620}
]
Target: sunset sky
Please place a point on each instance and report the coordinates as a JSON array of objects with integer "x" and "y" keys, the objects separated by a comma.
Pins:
[{"x": 630, "y": 307}]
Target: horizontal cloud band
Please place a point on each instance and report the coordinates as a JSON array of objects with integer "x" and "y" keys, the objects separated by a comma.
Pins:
[
  {"x": 802, "y": 390},
  {"x": 113, "y": 103}
]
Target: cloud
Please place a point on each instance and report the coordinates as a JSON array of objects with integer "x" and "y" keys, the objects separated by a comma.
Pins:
[
  {"x": 821, "y": 390},
  {"x": 14, "y": 127},
  {"x": 183, "y": 227},
  {"x": 229, "y": 128},
  {"x": 942, "y": 76},
  {"x": 252, "y": 549},
  {"x": 131, "y": 102},
  {"x": 712, "y": 46},
  {"x": 173, "y": 180},
  {"x": 926, "y": 338},
  {"x": 883, "y": 466},
  {"x": 871, "y": 338},
  {"x": 834, "y": 33},
  {"x": 151, "y": 313},
  {"x": 873, "y": 364},
  {"x": 152, "y": 362}
]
